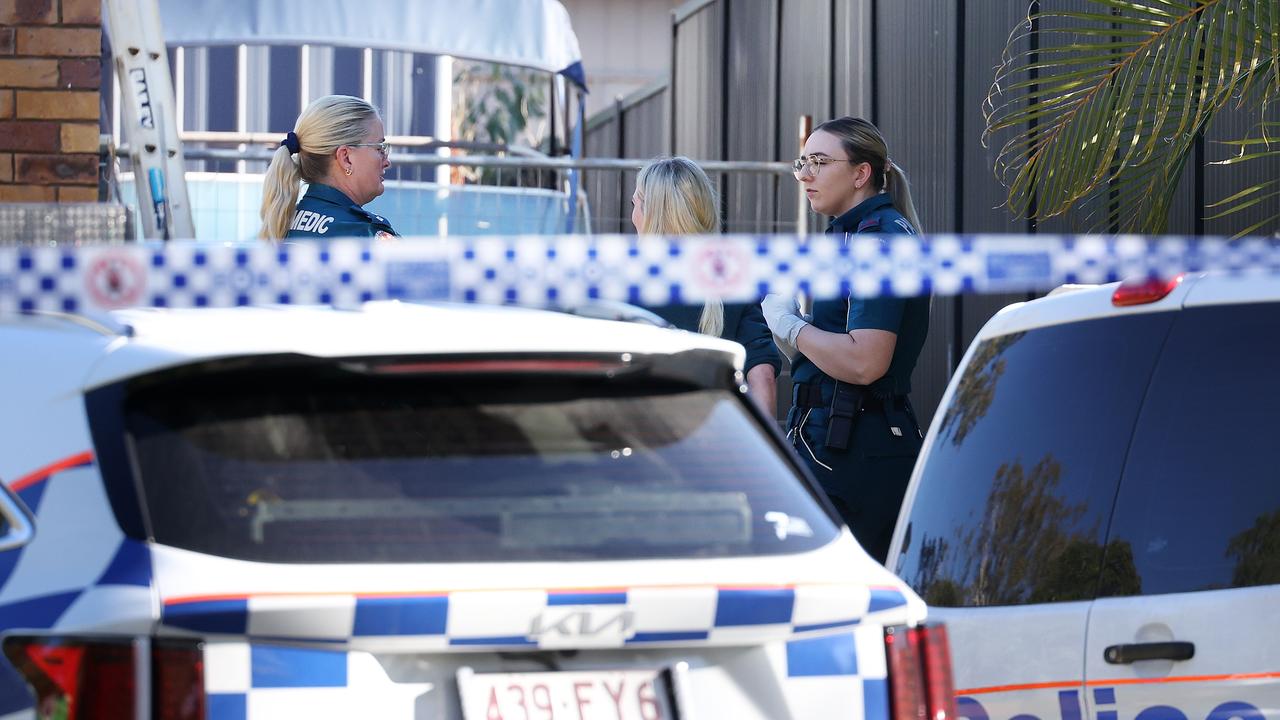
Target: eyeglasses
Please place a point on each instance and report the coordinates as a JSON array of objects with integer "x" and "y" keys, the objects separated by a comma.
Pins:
[
  {"x": 383, "y": 148},
  {"x": 812, "y": 164}
]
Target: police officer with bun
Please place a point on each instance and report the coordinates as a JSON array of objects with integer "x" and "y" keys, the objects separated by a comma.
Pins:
[
  {"x": 851, "y": 361},
  {"x": 338, "y": 147}
]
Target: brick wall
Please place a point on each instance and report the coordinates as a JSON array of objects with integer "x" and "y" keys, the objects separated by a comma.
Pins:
[{"x": 50, "y": 68}]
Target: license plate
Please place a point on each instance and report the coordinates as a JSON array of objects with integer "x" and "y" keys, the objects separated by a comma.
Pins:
[{"x": 594, "y": 695}]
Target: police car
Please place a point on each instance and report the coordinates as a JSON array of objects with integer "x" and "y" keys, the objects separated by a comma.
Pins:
[
  {"x": 422, "y": 511},
  {"x": 1096, "y": 513}
]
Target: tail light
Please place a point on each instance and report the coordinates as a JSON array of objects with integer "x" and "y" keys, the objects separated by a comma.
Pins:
[
  {"x": 177, "y": 681},
  {"x": 87, "y": 678},
  {"x": 1142, "y": 291},
  {"x": 920, "y": 686},
  {"x": 497, "y": 365}
]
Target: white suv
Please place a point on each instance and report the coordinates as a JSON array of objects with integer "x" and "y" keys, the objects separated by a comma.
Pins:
[
  {"x": 1096, "y": 510},
  {"x": 422, "y": 512}
]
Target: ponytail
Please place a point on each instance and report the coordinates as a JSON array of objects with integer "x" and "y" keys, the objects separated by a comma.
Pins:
[
  {"x": 863, "y": 142},
  {"x": 895, "y": 183},
  {"x": 279, "y": 195},
  {"x": 325, "y": 125}
]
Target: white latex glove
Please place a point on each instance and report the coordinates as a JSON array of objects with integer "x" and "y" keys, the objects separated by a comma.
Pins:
[
  {"x": 786, "y": 349},
  {"x": 782, "y": 314}
]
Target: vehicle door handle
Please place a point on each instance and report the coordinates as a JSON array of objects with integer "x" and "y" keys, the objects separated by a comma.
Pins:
[{"x": 1125, "y": 654}]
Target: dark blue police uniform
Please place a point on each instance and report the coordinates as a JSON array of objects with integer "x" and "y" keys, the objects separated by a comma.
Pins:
[
  {"x": 326, "y": 212},
  {"x": 861, "y": 441},
  {"x": 743, "y": 324}
]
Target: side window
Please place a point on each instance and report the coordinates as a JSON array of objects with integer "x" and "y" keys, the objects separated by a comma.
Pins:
[
  {"x": 1017, "y": 487},
  {"x": 1199, "y": 506}
]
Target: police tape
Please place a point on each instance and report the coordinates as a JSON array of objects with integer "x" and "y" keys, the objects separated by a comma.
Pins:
[{"x": 575, "y": 269}]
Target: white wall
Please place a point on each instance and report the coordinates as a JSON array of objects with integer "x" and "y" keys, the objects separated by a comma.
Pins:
[{"x": 626, "y": 45}]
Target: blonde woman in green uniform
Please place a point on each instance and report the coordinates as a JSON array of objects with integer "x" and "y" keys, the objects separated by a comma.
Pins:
[{"x": 338, "y": 148}]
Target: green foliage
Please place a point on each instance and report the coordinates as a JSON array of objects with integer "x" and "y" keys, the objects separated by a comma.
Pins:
[
  {"x": 499, "y": 104},
  {"x": 1252, "y": 148},
  {"x": 1105, "y": 112},
  {"x": 977, "y": 388},
  {"x": 1257, "y": 552},
  {"x": 503, "y": 104},
  {"x": 1024, "y": 511},
  {"x": 1084, "y": 569},
  {"x": 1027, "y": 546}
]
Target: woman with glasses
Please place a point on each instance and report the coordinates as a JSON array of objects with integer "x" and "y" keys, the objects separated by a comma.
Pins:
[
  {"x": 674, "y": 196},
  {"x": 851, "y": 360},
  {"x": 337, "y": 147}
]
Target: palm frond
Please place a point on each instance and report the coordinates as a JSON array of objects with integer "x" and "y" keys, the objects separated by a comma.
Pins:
[
  {"x": 1260, "y": 147},
  {"x": 1110, "y": 102}
]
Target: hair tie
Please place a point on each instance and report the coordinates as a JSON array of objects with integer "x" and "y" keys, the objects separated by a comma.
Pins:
[
  {"x": 888, "y": 165},
  {"x": 291, "y": 141}
]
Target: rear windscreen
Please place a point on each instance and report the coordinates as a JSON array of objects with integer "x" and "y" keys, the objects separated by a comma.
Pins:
[{"x": 308, "y": 465}]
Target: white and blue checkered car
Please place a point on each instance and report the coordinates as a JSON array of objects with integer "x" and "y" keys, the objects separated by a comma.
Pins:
[{"x": 423, "y": 511}]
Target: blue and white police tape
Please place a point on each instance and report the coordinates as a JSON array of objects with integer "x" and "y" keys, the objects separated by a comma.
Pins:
[{"x": 573, "y": 269}]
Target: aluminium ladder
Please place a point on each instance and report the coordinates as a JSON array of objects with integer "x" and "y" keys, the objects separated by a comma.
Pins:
[{"x": 149, "y": 118}]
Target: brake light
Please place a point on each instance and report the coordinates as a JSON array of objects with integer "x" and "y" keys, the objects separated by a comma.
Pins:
[
  {"x": 906, "y": 694},
  {"x": 496, "y": 366},
  {"x": 79, "y": 678},
  {"x": 177, "y": 681},
  {"x": 920, "y": 685},
  {"x": 940, "y": 689},
  {"x": 1142, "y": 291}
]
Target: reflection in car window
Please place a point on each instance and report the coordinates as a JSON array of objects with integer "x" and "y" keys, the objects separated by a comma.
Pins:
[
  {"x": 1200, "y": 500},
  {"x": 290, "y": 466},
  {"x": 1019, "y": 483}
]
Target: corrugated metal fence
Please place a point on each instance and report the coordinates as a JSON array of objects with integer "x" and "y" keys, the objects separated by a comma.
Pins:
[{"x": 744, "y": 71}]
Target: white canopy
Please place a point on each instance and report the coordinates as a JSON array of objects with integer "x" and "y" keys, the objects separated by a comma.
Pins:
[{"x": 527, "y": 33}]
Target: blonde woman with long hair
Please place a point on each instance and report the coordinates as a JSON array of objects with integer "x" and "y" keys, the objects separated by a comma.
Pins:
[
  {"x": 851, "y": 361},
  {"x": 674, "y": 196},
  {"x": 338, "y": 148}
]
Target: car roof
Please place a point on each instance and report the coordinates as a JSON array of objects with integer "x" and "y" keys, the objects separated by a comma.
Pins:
[
  {"x": 1078, "y": 303},
  {"x": 132, "y": 342}
]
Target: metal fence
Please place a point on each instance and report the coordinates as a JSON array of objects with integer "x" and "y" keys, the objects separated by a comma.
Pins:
[
  {"x": 746, "y": 187},
  {"x": 744, "y": 71},
  {"x": 468, "y": 190},
  {"x": 635, "y": 127}
]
